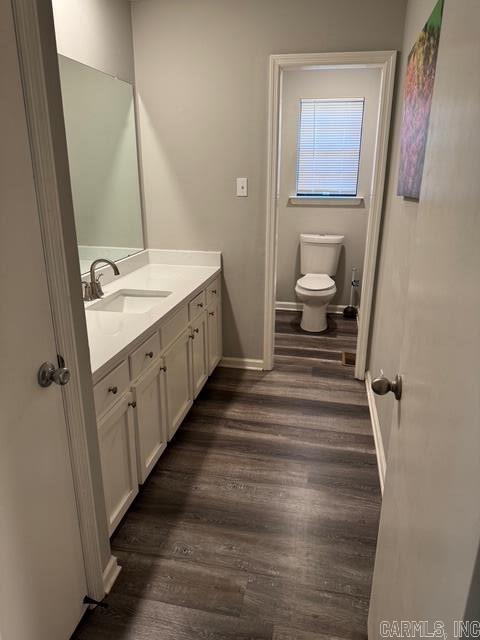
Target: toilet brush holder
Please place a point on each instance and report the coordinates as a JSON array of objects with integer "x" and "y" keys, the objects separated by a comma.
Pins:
[{"x": 350, "y": 311}]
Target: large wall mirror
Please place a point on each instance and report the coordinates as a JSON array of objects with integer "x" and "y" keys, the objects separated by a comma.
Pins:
[{"x": 102, "y": 152}]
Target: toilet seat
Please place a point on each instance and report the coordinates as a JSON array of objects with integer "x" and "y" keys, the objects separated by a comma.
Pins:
[{"x": 316, "y": 282}]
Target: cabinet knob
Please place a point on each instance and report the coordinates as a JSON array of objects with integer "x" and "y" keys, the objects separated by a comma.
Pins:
[
  {"x": 192, "y": 336},
  {"x": 163, "y": 368},
  {"x": 211, "y": 313},
  {"x": 149, "y": 354},
  {"x": 200, "y": 304},
  {"x": 196, "y": 330},
  {"x": 113, "y": 390},
  {"x": 213, "y": 291},
  {"x": 132, "y": 404}
]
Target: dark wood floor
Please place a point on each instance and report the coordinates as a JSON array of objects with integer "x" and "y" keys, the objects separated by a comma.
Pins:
[{"x": 260, "y": 520}]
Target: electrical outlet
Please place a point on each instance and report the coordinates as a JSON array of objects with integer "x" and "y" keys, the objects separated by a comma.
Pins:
[{"x": 242, "y": 186}]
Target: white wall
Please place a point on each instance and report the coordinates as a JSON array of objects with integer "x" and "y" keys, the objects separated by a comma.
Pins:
[
  {"x": 97, "y": 33},
  {"x": 201, "y": 73},
  {"x": 350, "y": 222},
  {"x": 396, "y": 244}
]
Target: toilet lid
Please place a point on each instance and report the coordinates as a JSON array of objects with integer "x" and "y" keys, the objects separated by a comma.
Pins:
[{"x": 316, "y": 282}]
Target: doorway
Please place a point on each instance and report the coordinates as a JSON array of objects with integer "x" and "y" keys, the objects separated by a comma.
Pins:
[{"x": 295, "y": 82}]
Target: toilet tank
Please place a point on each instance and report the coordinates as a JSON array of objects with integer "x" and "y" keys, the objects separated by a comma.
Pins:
[{"x": 319, "y": 253}]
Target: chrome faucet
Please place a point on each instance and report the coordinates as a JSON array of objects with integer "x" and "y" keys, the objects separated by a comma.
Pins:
[{"x": 93, "y": 289}]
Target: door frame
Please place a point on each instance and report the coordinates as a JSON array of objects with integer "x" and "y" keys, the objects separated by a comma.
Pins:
[
  {"x": 385, "y": 62},
  {"x": 36, "y": 47}
]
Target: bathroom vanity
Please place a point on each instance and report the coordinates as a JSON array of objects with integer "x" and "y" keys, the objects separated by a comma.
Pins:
[
  {"x": 154, "y": 330},
  {"x": 155, "y": 337}
]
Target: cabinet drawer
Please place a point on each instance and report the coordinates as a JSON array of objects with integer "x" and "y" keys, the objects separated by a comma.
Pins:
[
  {"x": 174, "y": 327},
  {"x": 146, "y": 353},
  {"x": 196, "y": 306},
  {"x": 110, "y": 388},
  {"x": 213, "y": 292}
]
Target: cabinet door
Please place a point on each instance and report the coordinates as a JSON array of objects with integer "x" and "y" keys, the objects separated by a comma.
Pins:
[
  {"x": 177, "y": 382},
  {"x": 214, "y": 337},
  {"x": 199, "y": 353},
  {"x": 150, "y": 430},
  {"x": 118, "y": 458}
]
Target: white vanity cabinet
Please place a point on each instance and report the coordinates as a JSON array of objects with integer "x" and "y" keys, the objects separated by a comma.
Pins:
[
  {"x": 178, "y": 381},
  {"x": 118, "y": 459},
  {"x": 142, "y": 401},
  {"x": 150, "y": 419}
]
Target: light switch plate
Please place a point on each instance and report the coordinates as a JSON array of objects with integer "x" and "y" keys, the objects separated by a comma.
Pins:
[{"x": 242, "y": 186}]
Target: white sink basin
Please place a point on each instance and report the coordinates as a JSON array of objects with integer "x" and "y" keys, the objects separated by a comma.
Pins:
[{"x": 130, "y": 301}]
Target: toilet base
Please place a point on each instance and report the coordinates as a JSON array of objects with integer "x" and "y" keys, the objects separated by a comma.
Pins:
[{"x": 314, "y": 318}]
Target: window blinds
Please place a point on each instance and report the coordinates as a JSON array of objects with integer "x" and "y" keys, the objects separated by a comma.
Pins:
[{"x": 329, "y": 141}]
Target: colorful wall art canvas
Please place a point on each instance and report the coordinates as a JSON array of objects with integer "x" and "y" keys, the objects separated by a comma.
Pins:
[{"x": 419, "y": 82}]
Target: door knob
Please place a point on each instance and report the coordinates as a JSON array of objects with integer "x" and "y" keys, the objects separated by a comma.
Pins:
[
  {"x": 49, "y": 373},
  {"x": 383, "y": 385}
]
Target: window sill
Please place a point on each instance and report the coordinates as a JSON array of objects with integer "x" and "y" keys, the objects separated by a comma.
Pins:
[{"x": 312, "y": 201}]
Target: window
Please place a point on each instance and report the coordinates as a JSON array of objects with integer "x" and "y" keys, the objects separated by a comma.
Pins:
[{"x": 329, "y": 140}]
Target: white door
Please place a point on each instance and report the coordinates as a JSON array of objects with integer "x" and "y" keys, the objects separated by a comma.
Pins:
[
  {"x": 116, "y": 437},
  {"x": 177, "y": 381},
  {"x": 199, "y": 353},
  {"x": 42, "y": 578},
  {"x": 150, "y": 429},
  {"x": 214, "y": 337},
  {"x": 430, "y": 522}
]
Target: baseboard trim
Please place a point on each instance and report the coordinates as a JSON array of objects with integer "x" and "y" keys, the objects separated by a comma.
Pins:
[
  {"x": 288, "y": 306},
  {"x": 377, "y": 434},
  {"x": 336, "y": 308},
  {"x": 241, "y": 363},
  {"x": 297, "y": 306},
  {"x": 110, "y": 573}
]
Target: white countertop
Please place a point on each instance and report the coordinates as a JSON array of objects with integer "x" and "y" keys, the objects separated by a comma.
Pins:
[{"x": 111, "y": 335}]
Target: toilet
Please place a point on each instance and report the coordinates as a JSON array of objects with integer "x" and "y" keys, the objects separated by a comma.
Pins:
[{"x": 315, "y": 289}]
